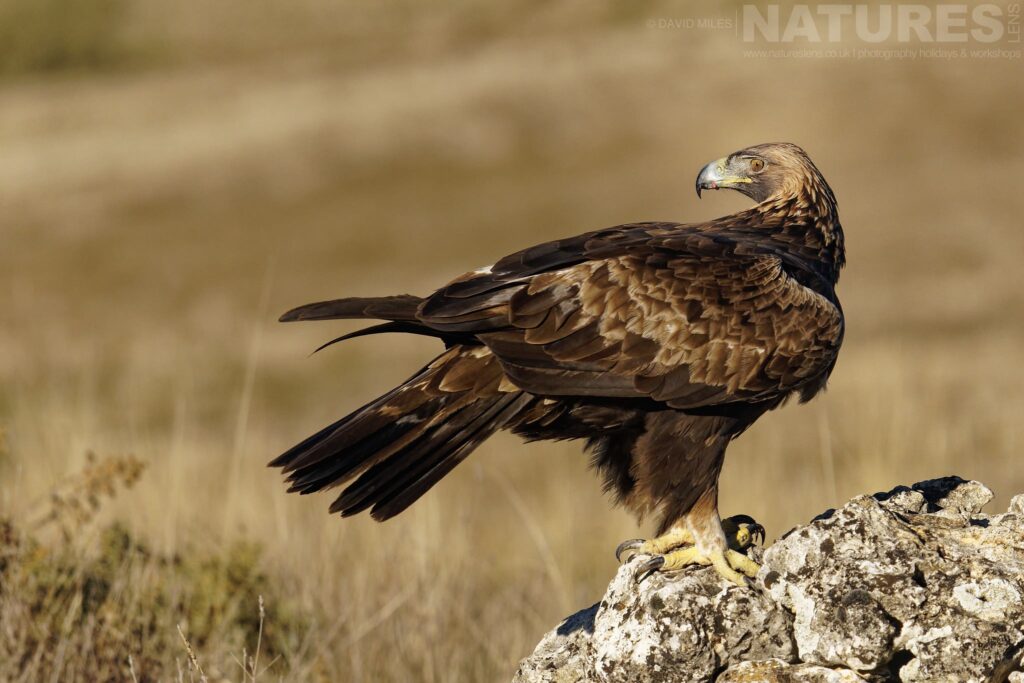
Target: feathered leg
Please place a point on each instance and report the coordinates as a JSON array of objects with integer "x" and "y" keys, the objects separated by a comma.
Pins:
[{"x": 673, "y": 468}]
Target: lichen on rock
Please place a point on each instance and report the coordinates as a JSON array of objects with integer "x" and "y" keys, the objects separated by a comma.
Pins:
[{"x": 913, "y": 585}]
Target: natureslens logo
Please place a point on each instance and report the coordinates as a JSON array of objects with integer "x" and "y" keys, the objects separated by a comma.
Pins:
[
  {"x": 898, "y": 31},
  {"x": 884, "y": 23}
]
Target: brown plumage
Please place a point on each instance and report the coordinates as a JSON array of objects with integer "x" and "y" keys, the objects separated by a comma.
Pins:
[{"x": 657, "y": 343}]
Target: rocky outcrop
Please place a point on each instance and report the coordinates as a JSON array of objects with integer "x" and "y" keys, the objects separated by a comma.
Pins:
[{"x": 914, "y": 585}]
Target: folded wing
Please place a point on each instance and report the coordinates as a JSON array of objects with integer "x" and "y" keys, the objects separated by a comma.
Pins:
[{"x": 621, "y": 314}]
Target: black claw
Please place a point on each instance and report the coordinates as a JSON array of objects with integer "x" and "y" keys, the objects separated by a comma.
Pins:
[
  {"x": 631, "y": 544},
  {"x": 649, "y": 567},
  {"x": 757, "y": 531}
]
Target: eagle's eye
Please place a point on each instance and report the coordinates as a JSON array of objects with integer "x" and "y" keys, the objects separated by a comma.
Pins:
[{"x": 757, "y": 165}]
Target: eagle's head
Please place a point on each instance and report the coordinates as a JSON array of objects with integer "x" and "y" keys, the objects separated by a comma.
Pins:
[{"x": 761, "y": 171}]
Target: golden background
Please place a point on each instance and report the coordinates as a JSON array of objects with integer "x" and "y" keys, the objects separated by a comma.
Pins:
[{"x": 175, "y": 175}]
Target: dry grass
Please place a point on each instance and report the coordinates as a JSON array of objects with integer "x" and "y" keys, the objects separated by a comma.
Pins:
[
  {"x": 163, "y": 203},
  {"x": 84, "y": 602}
]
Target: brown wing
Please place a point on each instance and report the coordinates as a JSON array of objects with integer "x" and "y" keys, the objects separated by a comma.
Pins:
[{"x": 707, "y": 322}]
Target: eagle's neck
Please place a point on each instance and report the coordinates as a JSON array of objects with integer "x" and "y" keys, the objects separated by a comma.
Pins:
[{"x": 806, "y": 224}]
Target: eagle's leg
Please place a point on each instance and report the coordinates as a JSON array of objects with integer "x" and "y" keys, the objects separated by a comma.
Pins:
[
  {"x": 740, "y": 531},
  {"x": 729, "y": 564},
  {"x": 675, "y": 537},
  {"x": 713, "y": 542}
]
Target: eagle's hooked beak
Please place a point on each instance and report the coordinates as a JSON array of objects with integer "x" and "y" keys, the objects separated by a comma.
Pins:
[{"x": 718, "y": 174}]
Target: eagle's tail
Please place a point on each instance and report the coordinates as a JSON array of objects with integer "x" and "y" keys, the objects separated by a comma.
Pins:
[
  {"x": 400, "y": 445},
  {"x": 395, "y": 308}
]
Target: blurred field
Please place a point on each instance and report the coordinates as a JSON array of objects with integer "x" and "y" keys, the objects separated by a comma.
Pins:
[{"x": 174, "y": 175}]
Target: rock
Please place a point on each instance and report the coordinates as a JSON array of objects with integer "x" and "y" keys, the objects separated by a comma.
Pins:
[
  {"x": 560, "y": 657},
  {"x": 778, "y": 671},
  {"x": 913, "y": 585}
]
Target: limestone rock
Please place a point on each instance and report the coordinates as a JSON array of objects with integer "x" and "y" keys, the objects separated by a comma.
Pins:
[
  {"x": 778, "y": 671},
  {"x": 912, "y": 585}
]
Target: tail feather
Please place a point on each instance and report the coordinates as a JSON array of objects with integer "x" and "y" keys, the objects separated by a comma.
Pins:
[
  {"x": 393, "y": 504},
  {"x": 398, "y": 446},
  {"x": 366, "y": 447},
  {"x": 395, "y": 308},
  {"x": 400, "y": 312},
  {"x": 348, "y": 431},
  {"x": 436, "y": 443},
  {"x": 384, "y": 328},
  {"x": 393, "y": 474},
  {"x": 338, "y": 470}
]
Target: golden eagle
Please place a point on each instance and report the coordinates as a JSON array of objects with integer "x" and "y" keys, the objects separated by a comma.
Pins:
[{"x": 656, "y": 343}]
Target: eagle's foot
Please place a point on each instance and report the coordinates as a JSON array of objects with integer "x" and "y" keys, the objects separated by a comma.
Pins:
[
  {"x": 741, "y": 532},
  {"x": 671, "y": 540},
  {"x": 730, "y": 564}
]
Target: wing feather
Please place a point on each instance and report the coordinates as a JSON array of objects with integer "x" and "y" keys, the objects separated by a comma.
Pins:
[{"x": 694, "y": 321}]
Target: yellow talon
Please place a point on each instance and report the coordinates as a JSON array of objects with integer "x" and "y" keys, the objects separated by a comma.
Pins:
[
  {"x": 677, "y": 549},
  {"x": 674, "y": 538},
  {"x": 723, "y": 566},
  {"x": 683, "y": 558},
  {"x": 730, "y": 564},
  {"x": 742, "y": 563},
  {"x": 662, "y": 544}
]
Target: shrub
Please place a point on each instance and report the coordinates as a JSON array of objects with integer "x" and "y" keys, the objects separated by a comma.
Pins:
[{"x": 94, "y": 603}]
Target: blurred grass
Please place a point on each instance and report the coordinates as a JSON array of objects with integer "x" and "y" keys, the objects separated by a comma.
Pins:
[
  {"x": 46, "y": 36},
  {"x": 225, "y": 161},
  {"x": 98, "y": 604}
]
